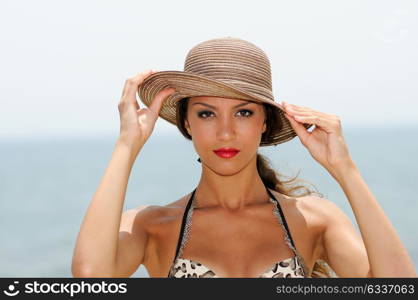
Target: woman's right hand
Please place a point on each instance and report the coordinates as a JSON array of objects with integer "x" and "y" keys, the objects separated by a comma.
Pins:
[{"x": 136, "y": 124}]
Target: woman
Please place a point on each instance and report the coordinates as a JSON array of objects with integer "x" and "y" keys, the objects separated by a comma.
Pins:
[{"x": 246, "y": 222}]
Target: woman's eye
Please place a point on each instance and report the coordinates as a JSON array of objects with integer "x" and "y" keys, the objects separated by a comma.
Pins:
[
  {"x": 245, "y": 112},
  {"x": 204, "y": 114}
]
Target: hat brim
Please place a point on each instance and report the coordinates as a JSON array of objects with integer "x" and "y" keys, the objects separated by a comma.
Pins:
[{"x": 192, "y": 85}]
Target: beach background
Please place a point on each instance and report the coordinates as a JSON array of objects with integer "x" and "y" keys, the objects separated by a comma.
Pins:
[
  {"x": 64, "y": 66},
  {"x": 47, "y": 185}
]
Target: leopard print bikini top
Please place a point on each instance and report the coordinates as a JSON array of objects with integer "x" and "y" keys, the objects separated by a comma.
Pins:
[{"x": 185, "y": 268}]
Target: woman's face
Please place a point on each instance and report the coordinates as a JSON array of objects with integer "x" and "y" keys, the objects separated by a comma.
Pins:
[{"x": 215, "y": 123}]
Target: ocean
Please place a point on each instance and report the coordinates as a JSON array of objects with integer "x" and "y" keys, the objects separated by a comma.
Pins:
[{"x": 46, "y": 185}]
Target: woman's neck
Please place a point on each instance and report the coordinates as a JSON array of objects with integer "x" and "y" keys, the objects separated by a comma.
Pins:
[{"x": 233, "y": 192}]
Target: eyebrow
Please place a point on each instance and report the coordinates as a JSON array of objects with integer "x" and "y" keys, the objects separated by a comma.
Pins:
[{"x": 208, "y": 105}]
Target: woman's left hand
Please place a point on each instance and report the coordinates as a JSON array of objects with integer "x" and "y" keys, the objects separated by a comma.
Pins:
[{"x": 325, "y": 143}]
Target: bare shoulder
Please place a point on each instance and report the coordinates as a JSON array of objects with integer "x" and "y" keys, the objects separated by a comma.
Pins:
[
  {"x": 315, "y": 210},
  {"x": 320, "y": 213},
  {"x": 160, "y": 224},
  {"x": 309, "y": 205},
  {"x": 319, "y": 206},
  {"x": 151, "y": 216},
  {"x": 328, "y": 212},
  {"x": 323, "y": 208}
]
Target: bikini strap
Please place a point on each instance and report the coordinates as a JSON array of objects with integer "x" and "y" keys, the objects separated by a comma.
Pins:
[
  {"x": 185, "y": 227},
  {"x": 278, "y": 212},
  {"x": 282, "y": 219}
]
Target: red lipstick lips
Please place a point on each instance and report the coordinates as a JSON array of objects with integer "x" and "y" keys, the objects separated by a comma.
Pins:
[{"x": 226, "y": 152}]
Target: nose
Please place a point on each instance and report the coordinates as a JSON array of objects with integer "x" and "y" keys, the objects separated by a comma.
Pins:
[{"x": 226, "y": 129}]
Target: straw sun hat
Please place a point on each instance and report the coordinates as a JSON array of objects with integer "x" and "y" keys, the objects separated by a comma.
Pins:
[{"x": 223, "y": 67}]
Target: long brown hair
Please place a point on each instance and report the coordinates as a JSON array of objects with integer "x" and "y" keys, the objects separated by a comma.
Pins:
[{"x": 271, "y": 179}]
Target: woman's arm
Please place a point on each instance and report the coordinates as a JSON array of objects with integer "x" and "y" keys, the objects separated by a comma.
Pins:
[
  {"x": 342, "y": 246},
  {"x": 386, "y": 254},
  {"x": 110, "y": 244},
  {"x": 95, "y": 254}
]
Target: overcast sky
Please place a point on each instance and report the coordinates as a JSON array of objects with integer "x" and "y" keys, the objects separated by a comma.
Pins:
[{"x": 63, "y": 63}]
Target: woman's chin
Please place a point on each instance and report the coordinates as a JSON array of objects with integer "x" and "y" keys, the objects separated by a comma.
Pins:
[{"x": 226, "y": 168}]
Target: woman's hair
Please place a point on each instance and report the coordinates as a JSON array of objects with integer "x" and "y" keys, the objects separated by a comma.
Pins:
[{"x": 269, "y": 176}]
